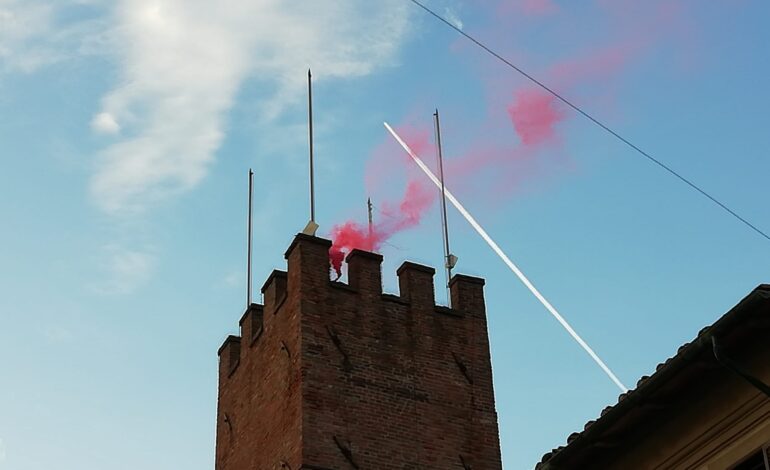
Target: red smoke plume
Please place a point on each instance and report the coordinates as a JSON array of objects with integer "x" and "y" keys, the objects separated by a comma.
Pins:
[
  {"x": 417, "y": 199},
  {"x": 527, "y": 7},
  {"x": 538, "y": 7},
  {"x": 535, "y": 117},
  {"x": 393, "y": 216},
  {"x": 534, "y": 114}
]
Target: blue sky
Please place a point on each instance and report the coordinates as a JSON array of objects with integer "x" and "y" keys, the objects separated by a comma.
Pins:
[{"x": 128, "y": 128}]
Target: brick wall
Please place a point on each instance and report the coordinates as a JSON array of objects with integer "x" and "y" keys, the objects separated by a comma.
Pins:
[{"x": 341, "y": 376}]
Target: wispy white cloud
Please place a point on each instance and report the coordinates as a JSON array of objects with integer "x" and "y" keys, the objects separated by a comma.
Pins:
[
  {"x": 233, "y": 279},
  {"x": 33, "y": 34},
  {"x": 22, "y": 45},
  {"x": 183, "y": 61},
  {"x": 105, "y": 123},
  {"x": 179, "y": 66},
  {"x": 125, "y": 269},
  {"x": 452, "y": 16},
  {"x": 57, "y": 333}
]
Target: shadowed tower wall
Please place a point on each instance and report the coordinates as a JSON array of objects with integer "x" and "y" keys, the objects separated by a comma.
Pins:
[{"x": 333, "y": 376}]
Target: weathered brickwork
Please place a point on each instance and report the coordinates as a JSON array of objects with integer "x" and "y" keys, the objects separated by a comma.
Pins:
[{"x": 333, "y": 376}]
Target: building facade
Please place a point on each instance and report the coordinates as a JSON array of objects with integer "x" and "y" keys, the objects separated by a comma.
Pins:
[
  {"x": 333, "y": 376},
  {"x": 706, "y": 408}
]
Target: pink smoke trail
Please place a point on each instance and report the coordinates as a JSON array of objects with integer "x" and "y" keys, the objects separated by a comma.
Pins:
[
  {"x": 535, "y": 117},
  {"x": 534, "y": 114},
  {"x": 407, "y": 213}
]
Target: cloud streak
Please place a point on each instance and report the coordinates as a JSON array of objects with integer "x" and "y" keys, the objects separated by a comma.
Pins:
[
  {"x": 35, "y": 34},
  {"x": 453, "y": 17},
  {"x": 105, "y": 123},
  {"x": 21, "y": 27},
  {"x": 125, "y": 269},
  {"x": 182, "y": 63}
]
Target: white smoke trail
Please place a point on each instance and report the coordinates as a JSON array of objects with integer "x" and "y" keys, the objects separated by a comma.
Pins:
[{"x": 508, "y": 261}]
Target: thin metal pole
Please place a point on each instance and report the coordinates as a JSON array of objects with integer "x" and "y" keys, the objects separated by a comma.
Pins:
[
  {"x": 444, "y": 225},
  {"x": 249, "y": 243},
  {"x": 371, "y": 220},
  {"x": 310, "y": 136}
]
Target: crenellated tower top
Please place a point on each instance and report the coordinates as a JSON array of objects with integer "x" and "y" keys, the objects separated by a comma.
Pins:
[{"x": 327, "y": 375}]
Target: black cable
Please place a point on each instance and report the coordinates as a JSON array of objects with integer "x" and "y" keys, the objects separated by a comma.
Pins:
[{"x": 592, "y": 119}]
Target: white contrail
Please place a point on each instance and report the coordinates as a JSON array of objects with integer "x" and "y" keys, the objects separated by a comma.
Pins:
[{"x": 508, "y": 261}]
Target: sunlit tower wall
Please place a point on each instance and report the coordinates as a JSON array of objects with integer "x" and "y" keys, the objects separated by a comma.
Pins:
[{"x": 333, "y": 376}]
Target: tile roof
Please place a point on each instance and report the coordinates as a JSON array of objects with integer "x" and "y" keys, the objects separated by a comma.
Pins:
[{"x": 754, "y": 307}]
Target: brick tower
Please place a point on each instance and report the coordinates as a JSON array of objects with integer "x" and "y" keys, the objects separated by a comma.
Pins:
[{"x": 333, "y": 376}]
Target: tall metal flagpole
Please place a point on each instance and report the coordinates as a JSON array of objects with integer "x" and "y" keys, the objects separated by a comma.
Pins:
[
  {"x": 448, "y": 258},
  {"x": 311, "y": 226},
  {"x": 249, "y": 243},
  {"x": 310, "y": 137}
]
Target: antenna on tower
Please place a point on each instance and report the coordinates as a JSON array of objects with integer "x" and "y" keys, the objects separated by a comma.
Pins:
[
  {"x": 311, "y": 226},
  {"x": 371, "y": 221},
  {"x": 450, "y": 260},
  {"x": 249, "y": 237}
]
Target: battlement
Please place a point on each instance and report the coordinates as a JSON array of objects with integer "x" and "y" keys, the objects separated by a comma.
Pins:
[
  {"x": 308, "y": 278},
  {"x": 318, "y": 347}
]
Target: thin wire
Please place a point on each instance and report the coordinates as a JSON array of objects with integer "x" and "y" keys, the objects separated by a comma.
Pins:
[
  {"x": 383, "y": 212},
  {"x": 592, "y": 119}
]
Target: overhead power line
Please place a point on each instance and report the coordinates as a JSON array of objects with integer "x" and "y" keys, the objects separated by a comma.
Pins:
[{"x": 594, "y": 120}]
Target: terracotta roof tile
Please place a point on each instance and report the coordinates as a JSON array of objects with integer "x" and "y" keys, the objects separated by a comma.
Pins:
[{"x": 762, "y": 292}]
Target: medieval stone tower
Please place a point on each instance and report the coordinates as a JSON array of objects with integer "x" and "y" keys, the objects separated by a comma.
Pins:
[{"x": 333, "y": 376}]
